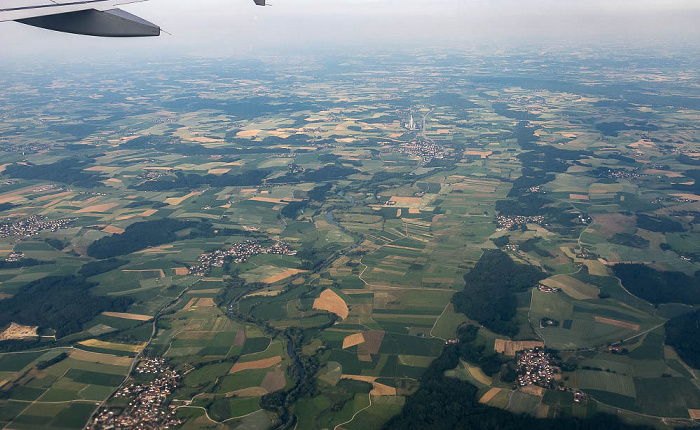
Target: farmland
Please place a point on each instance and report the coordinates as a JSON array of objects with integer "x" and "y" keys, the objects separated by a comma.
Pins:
[{"x": 130, "y": 220}]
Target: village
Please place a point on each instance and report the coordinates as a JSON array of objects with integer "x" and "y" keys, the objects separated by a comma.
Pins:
[
  {"x": 149, "y": 405},
  {"x": 33, "y": 225},
  {"x": 512, "y": 222},
  {"x": 535, "y": 368},
  {"x": 426, "y": 151},
  {"x": 238, "y": 253}
]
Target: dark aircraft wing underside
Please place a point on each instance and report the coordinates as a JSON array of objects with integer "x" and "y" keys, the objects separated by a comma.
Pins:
[{"x": 86, "y": 17}]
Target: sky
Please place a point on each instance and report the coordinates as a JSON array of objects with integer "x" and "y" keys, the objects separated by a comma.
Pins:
[{"x": 220, "y": 27}]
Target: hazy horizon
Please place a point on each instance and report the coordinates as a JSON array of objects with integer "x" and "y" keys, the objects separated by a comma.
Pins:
[{"x": 219, "y": 27}]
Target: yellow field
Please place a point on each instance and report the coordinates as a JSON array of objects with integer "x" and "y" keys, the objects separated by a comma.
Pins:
[
  {"x": 490, "y": 394},
  {"x": 280, "y": 276},
  {"x": 127, "y": 316},
  {"x": 255, "y": 365},
  {"x": 219, "y": 171},
  {"x": 596, "y": 268},
  {"x": 113, "y": 230},
  {"x": 572, "y": 287},
  {"x": 331, "y": 302},
  {"x": 382, "y": 390},
  {"x": 94, "y": 343},
  {"x": 182, "y": 271},
  {"x": 99, "y": 208},
  {"x": 207, "y": 302},
  {"x": 176, "y": 201},
  {"x": 148, "y": 213},
  {"x": 352, "y": 340}
]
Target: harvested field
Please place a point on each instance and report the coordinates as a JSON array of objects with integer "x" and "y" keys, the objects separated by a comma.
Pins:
[
  {"x": 254, "y": 365},
  {"x": 274, "y": 381},
  {"x": 113, "y": 230},
  {"x": 218, "y": 171},
  {"x": 95, "y": 357},
  {"x": 94, "y": 343},
  {"x": 572, "y": 287},
  {"x": 616, "y": 323},
  {"x": 413, "y": 201},
  {"x": 206, "y": 301},
  {"x": 373, "y": 340},
  {"x": 331, "y": 302},
  {"x": 267, "y": 200},
  {"x": 509, "y": 347},
  {"x": 177, "y": 201},
  {"x": 382, "y": 390},
  {"x": 490, "y": 394},
  {"x": 263, "y": 294},
  {"x": 694, "y": 414},
  {"x": 240, "y": 338},
  {"x": 159, "y": 272},
  {"x": 98, "y": 208},
  {"x": 128, "y": 316},
  {"x": 189, "y": 304},
  {"x": 362, "y": 378},
  {"x": 249, "y": 392},
  {"x": 148, "y": 213},
  {"x": 280, "y": 276},
  {"x": 578, "y": 196},
  {"x": 352, "y": 340},
  {"x": 181, "y": 271},
  {"x": 17, "y": 331}
]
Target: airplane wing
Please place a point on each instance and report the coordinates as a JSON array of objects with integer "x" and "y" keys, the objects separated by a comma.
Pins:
[{"x": 86, "y": 17}]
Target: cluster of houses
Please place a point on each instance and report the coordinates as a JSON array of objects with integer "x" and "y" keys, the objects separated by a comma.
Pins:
[
  {"x": 511, "y": 222},
  {"x": 33, "y": 225},
  {"x": 619, "y": 174},
  {"x": 426, "y": 151},
  {"x": 14, "y": 257},
  {"x": 547, "y": 288},
  {"x": 238, "y": 253},
  {"x": 149, "y": 406},
  {"x": 152, "y": 175},
  {"x": 535, "y": 368}
]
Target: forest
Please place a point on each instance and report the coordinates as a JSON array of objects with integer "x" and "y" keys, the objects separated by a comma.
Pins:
[
  {"x": 138, "y": 236},
  {"x": 62, "y": 303},
  {"x": 67, "y": 171},
  {"x": 489, "y": 294},
  {"x": 683, "y": 333},
  {"x": 657, "y": 286}
]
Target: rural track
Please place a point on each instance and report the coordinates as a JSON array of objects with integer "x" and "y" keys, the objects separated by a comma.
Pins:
[{"x": 356, "y": 413}]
